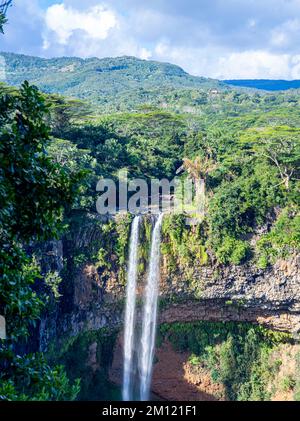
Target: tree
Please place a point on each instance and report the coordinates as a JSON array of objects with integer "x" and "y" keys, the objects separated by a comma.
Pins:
[
  {"x": 64, "y": 112},
  {"x": 281, "y": 147},
  {"x": 197, "y": 169},
  {"x": 4, "y": 5},
  {"x": 284, "y": 153},
  {"x": 35, "y": 193}
]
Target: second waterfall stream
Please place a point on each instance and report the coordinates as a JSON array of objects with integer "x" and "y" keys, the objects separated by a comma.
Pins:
[{"x": 146, "y": 344}]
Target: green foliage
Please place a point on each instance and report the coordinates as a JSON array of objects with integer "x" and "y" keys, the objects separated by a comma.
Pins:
[
  {"x": 35, "y": 192},
  {"x": 18, "y": 301},
  {"x": 182, "y": 245},
  {"x": 121, "y": 83},
  {"x": 108, "y": 248},
  {"x": 74, "y": 355},
  {"x": 127, "y": 83},
  {"x": 53, "y": 280},
  {"x": 239, "y": 207},
  {"x": 287, "y": 383},
  {"x": 297, "y": 379},
  {"x": 5, "y": 4},
  {"x": 123, "y": 231},
  {"x": 29, "y": 377},
  {"x": 237, "y": 354},
  {"x": 145, "y": 243},
  {"x": 75, "y": 160},
  {"x": 3, "y": 21},
  {"x": 148, "y": 144},
  {"x": 66, "y": 112},
  {"x": 280, "y": 146},
  {"x": 282, "y": 240},
  {"x": 233, "y": 251}
]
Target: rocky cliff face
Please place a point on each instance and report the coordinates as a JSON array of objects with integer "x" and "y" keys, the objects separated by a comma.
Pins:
[
  {"x": 93, "y": 295},
  {"x": 239, "y": 293}
]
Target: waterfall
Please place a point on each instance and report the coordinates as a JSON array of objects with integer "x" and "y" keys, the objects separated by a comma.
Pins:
[
  {"x": 130, "y": 310},
  {"x": 149, "y": 314},
  {"x": 147, "y": 343}
]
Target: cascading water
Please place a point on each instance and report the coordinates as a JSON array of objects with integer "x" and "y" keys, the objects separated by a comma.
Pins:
[
  {"x": 150, "y": 314},
  {"x": 130, "y": 310}
]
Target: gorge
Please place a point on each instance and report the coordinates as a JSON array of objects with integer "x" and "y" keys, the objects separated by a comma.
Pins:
[{"x": 238, "y": 295}]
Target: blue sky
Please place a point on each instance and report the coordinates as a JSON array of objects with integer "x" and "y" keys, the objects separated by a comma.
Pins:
[{"x": 214, "y": 38}]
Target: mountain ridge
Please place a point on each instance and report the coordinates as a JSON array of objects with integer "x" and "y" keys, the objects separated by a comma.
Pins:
[
  {"x": 106, "y": 80},
  {"x": 123, "y": 83}
]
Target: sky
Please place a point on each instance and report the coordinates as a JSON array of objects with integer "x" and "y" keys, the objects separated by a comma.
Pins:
[{"x": 223, "y": 39}]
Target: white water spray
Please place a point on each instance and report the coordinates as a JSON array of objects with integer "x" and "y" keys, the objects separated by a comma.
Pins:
[
  {"x": 150, "y": 314},
  {"x": 130, "y": 310}
]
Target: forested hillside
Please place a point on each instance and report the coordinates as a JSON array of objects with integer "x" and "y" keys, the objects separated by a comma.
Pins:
[
  {"x": 110, "y": 83},
  {"x": 251, "y": 139},
  {"x": 129, "y": 84}
]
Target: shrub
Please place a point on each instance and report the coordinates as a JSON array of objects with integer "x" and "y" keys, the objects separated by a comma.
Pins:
[{"x": 233, "y": 251}]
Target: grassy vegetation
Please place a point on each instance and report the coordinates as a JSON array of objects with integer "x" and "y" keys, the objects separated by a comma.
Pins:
[
  {"x": 89, "y": 357},
  {"x": 236, "y": 354}
]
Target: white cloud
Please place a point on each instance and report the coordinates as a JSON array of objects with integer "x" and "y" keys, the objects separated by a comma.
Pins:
[
  {"x": 144, "y": 54},
  {"x": 295, "y": 64},
  {"x": 96, "y": 31},
  {"x": 254, "y": 65},
  {"x": 286, "y": 35},
  {"x": 95, "y": 22},
  {"x": 216, "y": 63}
]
